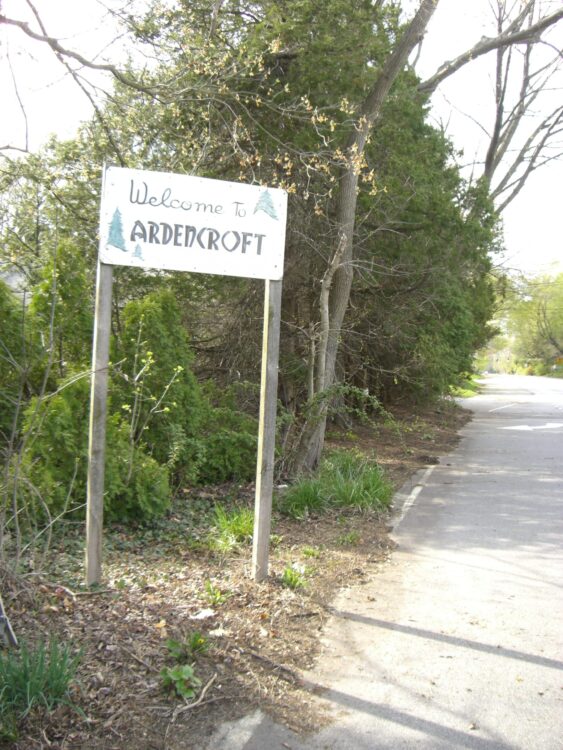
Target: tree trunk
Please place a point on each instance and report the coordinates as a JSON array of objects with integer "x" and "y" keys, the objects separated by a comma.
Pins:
[{"x": 337, "y": 283}]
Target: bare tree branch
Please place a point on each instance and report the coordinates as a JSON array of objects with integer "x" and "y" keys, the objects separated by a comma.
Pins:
[
  {"x": 58, "y": 48},
  {"x": 21, "y": 105},
  {"x": 76, "y": 78},
  {"x": 533, "y": 161},
  {"x": 526, "y": 35}
]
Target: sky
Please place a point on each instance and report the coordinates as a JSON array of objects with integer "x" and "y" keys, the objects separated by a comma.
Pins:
[
  {"x": 533, "y": 226},
  {"x": 54, "y": 104}
]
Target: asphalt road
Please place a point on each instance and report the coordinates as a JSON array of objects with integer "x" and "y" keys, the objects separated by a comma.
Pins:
[{"x": 458, "y": 641}]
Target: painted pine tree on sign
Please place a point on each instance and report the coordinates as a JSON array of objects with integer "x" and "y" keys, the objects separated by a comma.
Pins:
[
  {"x": 266, "y": 204},
  {"x": 116, "y": 232}
]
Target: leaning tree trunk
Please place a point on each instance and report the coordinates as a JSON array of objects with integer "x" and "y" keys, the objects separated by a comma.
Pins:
[{"x": 337, "y": 282}]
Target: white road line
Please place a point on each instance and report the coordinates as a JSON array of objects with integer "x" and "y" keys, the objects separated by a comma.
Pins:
[
  {"x": 507, "y": 406},
  {"x": 414, "y": 493}
]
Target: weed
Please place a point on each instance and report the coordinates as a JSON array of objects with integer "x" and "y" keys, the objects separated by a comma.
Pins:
[
  {"x": 351, "y": 539},
  {"x": 311, "y": 552},
  {"x": 193, "y": 645},
  {"x": 197, "y": 644},
  {"x": 292, "y": 578},
  {"x": 34, "y": 677},
  {"x": 182, "y": 678},
  {"x": 214, "y": 595},
  {"x": 275, "y": 540},
  {"x": 230, "y": 529}
]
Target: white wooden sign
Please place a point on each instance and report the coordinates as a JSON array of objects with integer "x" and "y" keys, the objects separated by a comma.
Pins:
[{"x": 182, "y": 223}]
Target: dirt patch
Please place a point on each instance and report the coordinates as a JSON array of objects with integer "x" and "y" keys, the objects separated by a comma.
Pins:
[{"x": 258, "y": 638}]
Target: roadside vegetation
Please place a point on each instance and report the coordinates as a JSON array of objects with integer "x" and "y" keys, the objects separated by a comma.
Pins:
[
  {"x": 177, "y": 620},
  {"x": 345, "y": 479},
  {"x": 530, "y": 318},
  {"x": 466, "y": 387}
]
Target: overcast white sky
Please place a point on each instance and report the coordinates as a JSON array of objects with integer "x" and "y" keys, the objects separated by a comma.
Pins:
[
  {"x": 53, "y": 103},
  {"x": 533, "y": 222}
]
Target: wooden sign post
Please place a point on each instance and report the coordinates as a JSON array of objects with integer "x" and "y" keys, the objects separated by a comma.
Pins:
[
  {"x": 176, "y": 222},
  {"x": 266, "y": 430},
  {"x": 97, "y": 433}
]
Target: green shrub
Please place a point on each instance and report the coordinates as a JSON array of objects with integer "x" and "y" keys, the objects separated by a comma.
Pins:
[
  {"x": 62, "y": 307},
  {"x": 346, "y": 479},
  {"x": 34, "y": 677},
  {"x": 228, "y": 447},
  {"x": 56, "y": 459},
  {"x": 229, "y": 435},
  {"x": 154, "y": 384},
  {"x": 10, "y": 352},
  {"x": 201, "y": 435},
  {"x": 17, "y": 356}
]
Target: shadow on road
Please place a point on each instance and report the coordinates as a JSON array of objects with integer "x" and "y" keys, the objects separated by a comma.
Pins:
[
  {"x": 451, "y": 640},
  {"x": 452, "y": 738}
]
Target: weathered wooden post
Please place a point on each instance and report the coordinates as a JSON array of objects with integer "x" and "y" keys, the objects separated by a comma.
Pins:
[
  {"x": 97, "y": 433},
  {"x": 266, "y": 429}
]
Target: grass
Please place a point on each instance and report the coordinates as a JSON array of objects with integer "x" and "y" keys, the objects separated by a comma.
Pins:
[
  {"x": 292, "y": 578},
  {"x": 34, "y": 677},
  {"x": 214, "y": 595},
  {"x": 303, "y": 498},
  {"x": 346, "y": 479},
  {"x": 466, "y": 388},
  {"x": 350, "y": 539},
  {"x": 231, "y": 529}
]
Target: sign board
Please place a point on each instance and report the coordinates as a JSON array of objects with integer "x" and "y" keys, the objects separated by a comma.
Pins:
[{"x": 182, "y": 223}]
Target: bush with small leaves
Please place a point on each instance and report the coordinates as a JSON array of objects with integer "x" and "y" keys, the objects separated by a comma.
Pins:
[{"x": 55, "y": 462}]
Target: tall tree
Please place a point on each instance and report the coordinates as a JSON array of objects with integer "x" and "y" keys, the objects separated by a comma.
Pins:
[{"x": 336, "y": 282}]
